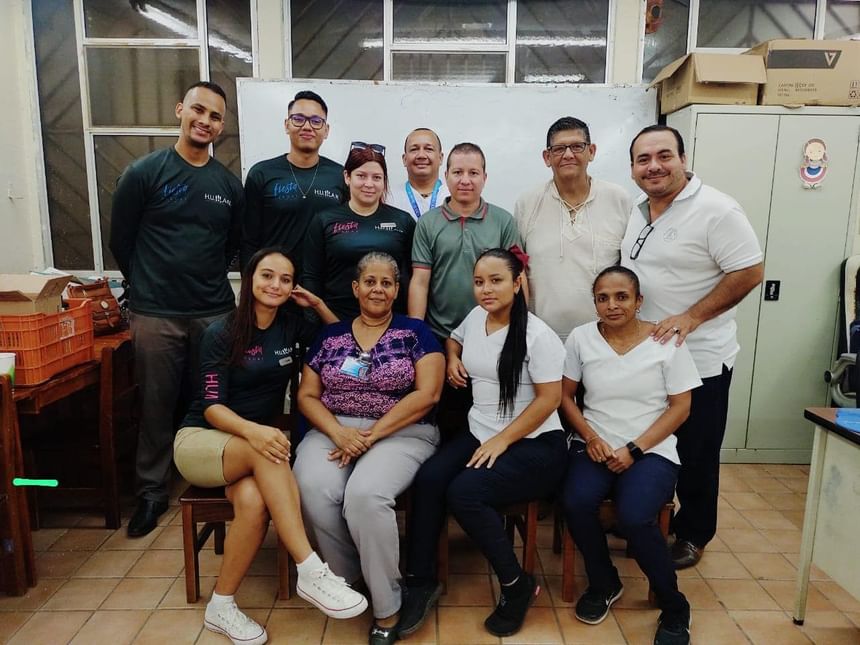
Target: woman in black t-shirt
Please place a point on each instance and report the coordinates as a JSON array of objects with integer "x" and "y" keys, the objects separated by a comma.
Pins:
[
  {"x": 226, "y": 440},
  {"x": 340, "y": 236}
]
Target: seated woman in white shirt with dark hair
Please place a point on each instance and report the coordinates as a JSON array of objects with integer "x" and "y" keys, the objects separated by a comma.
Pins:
[
  {"x": 637, "y": 393},
  {"x": 514, "y": 450}
]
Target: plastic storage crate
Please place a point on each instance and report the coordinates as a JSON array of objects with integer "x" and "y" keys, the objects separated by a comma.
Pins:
[{"x": 47, "y": 344}]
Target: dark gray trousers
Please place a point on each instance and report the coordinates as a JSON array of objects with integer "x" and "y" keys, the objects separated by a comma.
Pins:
[{"x": 166, "y": 354}]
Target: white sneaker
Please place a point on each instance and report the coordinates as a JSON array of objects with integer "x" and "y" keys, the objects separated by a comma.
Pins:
[
  {"x": 330, "y": 593},
  {"x": 229, "y": 620}
]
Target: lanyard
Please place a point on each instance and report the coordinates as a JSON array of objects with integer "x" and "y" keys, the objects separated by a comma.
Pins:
[{"x": 433, "y": 197}]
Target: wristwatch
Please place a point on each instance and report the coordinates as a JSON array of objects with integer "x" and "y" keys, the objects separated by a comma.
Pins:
[{"x": 635, "y": 451}]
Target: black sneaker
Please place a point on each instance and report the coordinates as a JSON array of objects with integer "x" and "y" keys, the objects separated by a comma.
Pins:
[
  {"x": 593, "y": 606},
  {"x": 417, "y": 603},
  {"x": 510, "y": 613},
  {"x": 673, "y": 629}
]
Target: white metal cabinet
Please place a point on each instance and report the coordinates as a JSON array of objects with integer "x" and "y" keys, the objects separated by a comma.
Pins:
[{"x": 754, "y": 153}]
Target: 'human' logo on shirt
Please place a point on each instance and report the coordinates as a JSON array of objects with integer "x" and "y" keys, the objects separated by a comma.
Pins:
[
  {"x": 218, "y": 199},
  {"x": 210, "y": 386},
  {"x": 391, "y": 227}
]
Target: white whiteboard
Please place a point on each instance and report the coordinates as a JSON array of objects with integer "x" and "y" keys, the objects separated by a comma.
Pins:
[{"x": 508, "y": 122}]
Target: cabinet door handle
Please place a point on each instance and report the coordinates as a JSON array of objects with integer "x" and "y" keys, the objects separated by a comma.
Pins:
[{"x": 771, "y": 289}]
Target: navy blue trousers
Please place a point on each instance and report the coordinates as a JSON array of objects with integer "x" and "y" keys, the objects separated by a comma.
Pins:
[
  {"x": 639, "y": 493},
  {"x": 700, "y": 438},
  {"x": 529, "y": 469}
]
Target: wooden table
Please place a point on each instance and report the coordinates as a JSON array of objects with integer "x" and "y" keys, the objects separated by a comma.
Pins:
[
  {"x": 831, "y": 522},
  {"x": 17, "y": 562}
]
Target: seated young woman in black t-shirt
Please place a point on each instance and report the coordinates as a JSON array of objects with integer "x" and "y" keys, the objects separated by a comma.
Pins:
[{"x": 226, "y": 440}]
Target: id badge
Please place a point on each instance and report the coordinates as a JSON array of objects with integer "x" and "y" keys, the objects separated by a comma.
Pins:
[{"x": 355, "y": 368}]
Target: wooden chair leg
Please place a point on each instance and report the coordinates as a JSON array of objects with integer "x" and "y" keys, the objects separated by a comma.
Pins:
[
  {"x": 442, "y": 558},
  {"x": 220, "y": 532},
  {"x": 568, "y": 568},
  {"x": 558, "y": 529},
  {"x": 283, "y": 572},
  {"x": 530, "y": 539},
  {"x": 189, "y": 547}
]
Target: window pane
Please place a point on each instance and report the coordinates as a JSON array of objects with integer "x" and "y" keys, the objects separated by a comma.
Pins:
[
  {"x": 472, "y": 68},
  {"x": 450, "y": 21},
  {"x": 556, "y": 45},
  {"x": 337, "y": 39},
  {"x": 668, "y": 42},
  {"x": 62, "y": 134},
  {"x": 843, "y": 19},
  {"x": 744, "y": 23},
  {"x": 138, "y": 86},
  {"x": 139, "y": 19},
  {"x": 113, "y": 154},
  {"x": 230, "y": 56}
]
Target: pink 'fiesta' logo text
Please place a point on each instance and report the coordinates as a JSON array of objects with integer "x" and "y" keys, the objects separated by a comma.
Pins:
[{"x": 344, "y": 227}]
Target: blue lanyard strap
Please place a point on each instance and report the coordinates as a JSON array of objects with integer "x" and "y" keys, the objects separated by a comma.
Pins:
[{"x": 414, "y": 203}]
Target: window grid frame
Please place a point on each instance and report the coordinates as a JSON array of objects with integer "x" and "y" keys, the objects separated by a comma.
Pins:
[
  {"x": 389, "y": 47},
  {"x": 90, "y": 131}
]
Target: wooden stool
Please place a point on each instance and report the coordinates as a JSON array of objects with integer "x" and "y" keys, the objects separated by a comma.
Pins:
[
  {"x": 523, "y": 517},
  {"x": 607, "y": 518},
  {"x": 210, "y": 506}
]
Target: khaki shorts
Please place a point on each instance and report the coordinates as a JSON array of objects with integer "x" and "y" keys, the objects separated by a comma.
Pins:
[{"x": 199, "y": 456}]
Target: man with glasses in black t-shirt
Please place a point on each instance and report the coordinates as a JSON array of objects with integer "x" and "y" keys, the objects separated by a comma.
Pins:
[{"x": 284, "y": 193}]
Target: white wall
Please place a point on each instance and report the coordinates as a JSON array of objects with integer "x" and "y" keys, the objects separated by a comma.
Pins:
[{"x": 20, "y": 225}]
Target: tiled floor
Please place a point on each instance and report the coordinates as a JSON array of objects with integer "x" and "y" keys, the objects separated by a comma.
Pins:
[{"x": 97, "y": 586}]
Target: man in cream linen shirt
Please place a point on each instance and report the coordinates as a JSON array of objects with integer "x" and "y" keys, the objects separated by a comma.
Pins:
[{"x": 571, "y": 227}]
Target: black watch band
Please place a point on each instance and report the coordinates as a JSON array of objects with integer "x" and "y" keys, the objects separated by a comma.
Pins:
[{"x": 635, "y": 451}]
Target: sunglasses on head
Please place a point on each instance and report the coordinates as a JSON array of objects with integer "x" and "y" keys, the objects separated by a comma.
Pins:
[{"x": 361, "y": 145}]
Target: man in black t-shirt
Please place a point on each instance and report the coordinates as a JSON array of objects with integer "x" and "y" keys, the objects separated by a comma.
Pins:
[
  {"x": 176, "y": 222},
  {"x": 285, "y": 193}
]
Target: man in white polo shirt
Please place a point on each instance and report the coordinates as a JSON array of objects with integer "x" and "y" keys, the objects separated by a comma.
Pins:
[
  {"x": 422, "y": 158},
  {"x": 571, "y": 227},
  {"x": 697, "y": 257}
]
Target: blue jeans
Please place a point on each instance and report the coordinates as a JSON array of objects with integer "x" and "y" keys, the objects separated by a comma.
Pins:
[
  {"x": 639, "y": 493},
  {"x": 529, "y": 469}
]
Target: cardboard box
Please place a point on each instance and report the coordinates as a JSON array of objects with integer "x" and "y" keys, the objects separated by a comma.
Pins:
[
  {"x": 810, "y": 72},
  {"x": 723, "y": 79},
  {"x": 31, "y": 294}
]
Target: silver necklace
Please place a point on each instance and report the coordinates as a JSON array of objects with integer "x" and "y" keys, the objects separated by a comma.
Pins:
[{"x": 298, "y": 185}]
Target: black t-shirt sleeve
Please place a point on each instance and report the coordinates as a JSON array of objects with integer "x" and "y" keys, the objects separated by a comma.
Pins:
[
  {"x": 252, "y": 225},
  {"x": 127, "y": 207},
  {"x": 214, "y": 370}
]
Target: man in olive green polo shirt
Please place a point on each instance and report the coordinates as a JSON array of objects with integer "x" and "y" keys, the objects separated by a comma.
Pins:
[{"x": 448, "y": 240}]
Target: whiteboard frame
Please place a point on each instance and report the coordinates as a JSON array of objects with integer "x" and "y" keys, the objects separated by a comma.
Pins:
[{"x": 513, "y": 148}]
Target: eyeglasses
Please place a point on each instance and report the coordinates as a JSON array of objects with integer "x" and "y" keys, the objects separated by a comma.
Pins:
[
  {"x": 361, "y": 145},
  {"x": 299, "y": 120},
  {"x": 640, "y": 241},
  {"x": 576, "y": 148}
]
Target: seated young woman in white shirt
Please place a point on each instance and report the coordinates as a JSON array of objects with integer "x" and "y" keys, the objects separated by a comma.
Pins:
[
  {"x": 514, "y": 452},
  {"x": 637, "y": 393}
]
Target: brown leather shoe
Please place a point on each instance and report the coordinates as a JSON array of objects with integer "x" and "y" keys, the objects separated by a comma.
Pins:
[{"x": 685, "y": 554}]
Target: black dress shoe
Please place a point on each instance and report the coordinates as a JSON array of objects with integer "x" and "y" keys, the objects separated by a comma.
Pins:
[
  {"x": 145, "y": 518},
  {"x": 382, "y": 635},
  {"x": 685, "y": 554}
]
